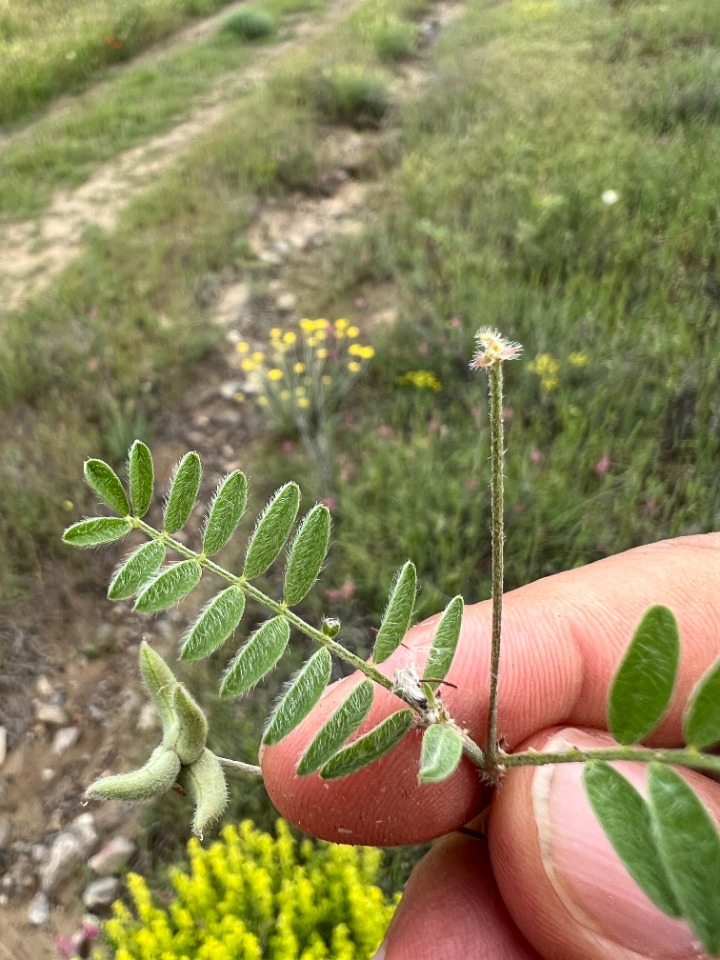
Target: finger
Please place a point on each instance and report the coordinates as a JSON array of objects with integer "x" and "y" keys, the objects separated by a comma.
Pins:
[
  {"x": 563, "y": 638},
  {"x": 451, "y": 908},
  {"x": 563, "y": 883}
]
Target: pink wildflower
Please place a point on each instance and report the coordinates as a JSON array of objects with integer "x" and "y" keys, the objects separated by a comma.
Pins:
[
  {"x": 536, "y": 456},
  {"x": 602, "y": 466}
]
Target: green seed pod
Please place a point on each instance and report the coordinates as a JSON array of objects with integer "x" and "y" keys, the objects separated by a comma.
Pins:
[
  {"x": 153, "y": 779},
  {"x": 160, "y": 682},
  {"x": 204, "y": 780},
  {"x": 192, "y": 728}
]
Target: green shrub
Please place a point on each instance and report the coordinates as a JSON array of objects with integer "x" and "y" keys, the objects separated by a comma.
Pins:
[
  {"x": 393, "y": 39},
  {"x": 353, "y": 95},
  {"x": 250, "y": 896},
  {"x": 249, "y": 24}
]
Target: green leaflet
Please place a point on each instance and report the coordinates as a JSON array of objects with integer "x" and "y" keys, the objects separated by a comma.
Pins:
[
  {"x": 169, "y": 586},
  {"x": 152, "y": 780},
  {"x": 337, "y": 728},
  {"x": 689, "y": 846},
  {"x": 307, "y": 554},
  {"x": 701, "y": 723},
  {"x": 184, "y": 488},
  {"x": 396, "y": 619},
  {"x": 136, "y": 570},
  {"x": 217, "y": 621},
  {"x": 271, "y": 530},
  {"x": 142, "y": 477},
  {"x": 105, "y": 482},
  {"x": 440, "y": 754},
  {"x": 625, "y": 818},
  {"x": 256, "y": 658},
  {"x": 96, "y": 530},
  {"x": 225, "y": 512},
  {"x": 644, "y": 682},
  {"x": 302, "y": 694},
  {"x": 368, "y": 748},
  {"x": 204, "y": 780},
  {"x": 193, "y": 726},
  {"x": 160, "y": 683},
  {"x": 445, "y": 641}
]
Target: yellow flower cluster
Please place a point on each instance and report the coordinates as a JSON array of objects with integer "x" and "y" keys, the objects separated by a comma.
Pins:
[
  {"x": 421, "y": 380},
  {"x": 306, "y": 368},
  {"x": 548, "y": 368},
  {"x": 250, "y": 896}
]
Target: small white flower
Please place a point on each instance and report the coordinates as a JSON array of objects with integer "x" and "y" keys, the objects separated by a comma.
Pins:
[
  {"x": 492, "y": 349},
  {"x": 610, "y": 197}
]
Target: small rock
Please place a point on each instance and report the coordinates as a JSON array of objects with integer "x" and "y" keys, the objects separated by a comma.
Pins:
[
  {"x": 52, "y": 714},
  {"x": 228, "y": 389},
  {"x": 101, "y": 893},
  {"x": 38, "y": 912},
  {"x": 286, "y": 302},
  {"x": 95, "y": 713},
  {"x": 69, "y": 850},
  {"x": 47, "y": 774},
  {"x": 3, "y": 745},
  {"x": 64, "y": 739},
  {"x": 44, "y": 687},
  {"x": 112, "y": 857}
]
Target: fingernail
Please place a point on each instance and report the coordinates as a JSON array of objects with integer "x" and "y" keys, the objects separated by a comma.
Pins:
[
  {"x": 582, "y": 866},
  {"x": 380, "y": 952}
]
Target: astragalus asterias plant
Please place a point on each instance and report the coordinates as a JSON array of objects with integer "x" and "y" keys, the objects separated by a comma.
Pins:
[{"x": 668, "y": 842}]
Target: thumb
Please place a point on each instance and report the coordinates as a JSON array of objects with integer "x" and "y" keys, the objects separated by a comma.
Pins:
[{"x": 560, "y": 878}]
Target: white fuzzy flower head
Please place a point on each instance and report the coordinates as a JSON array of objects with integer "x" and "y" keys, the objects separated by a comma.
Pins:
[
  {"x": 492, "y": 348},
  {"x": 610, "y": 197}
]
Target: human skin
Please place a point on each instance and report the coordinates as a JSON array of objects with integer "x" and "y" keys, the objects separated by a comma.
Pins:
[{"x": 546, "y": 883}]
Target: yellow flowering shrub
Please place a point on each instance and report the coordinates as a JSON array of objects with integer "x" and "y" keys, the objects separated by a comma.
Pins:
[{"x": 251, "y": 896}]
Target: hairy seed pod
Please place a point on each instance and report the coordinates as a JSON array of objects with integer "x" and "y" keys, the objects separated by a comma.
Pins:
[
  {"x": 193, "y": 726},
  {"x": 204, "y": 780},
  {"x": 153, "y": 779},
  {"x": 160, "y": 682}
]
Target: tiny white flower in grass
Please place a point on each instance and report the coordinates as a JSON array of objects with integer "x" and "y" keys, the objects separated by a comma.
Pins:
[
  {"x": 492, "y": 348},
  {"x": 610, "y": 197}
]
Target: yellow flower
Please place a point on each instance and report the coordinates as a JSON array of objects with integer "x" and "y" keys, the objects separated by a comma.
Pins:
[
  {"x": 303, "y": 402},
  {"x": 326, "y": 380},
  {"x": 322, "y": 354},
  {"x": 289, "y": 337},
  {"x": 262, "y": 401},
  {"x": 367, "y": 353},
  {"x": 248, "y": 365},
  {"x": 354, "y": 366},
  {"x": 353, "y": 332},
  {"x": 242, "y": 347},
  {"x": 578, "y": 359},
  {"x": 544, "y": 365},
  {"x": 285, "y": 395},
  {"x": 307, "y": 325},
  {"x": 549, "y": 383},
  {"x": 275, "y": 333},
  {"x": 355, "y": 350},
  {"x": 275, "y": 374},
  {"x": 299, "y": 367}
]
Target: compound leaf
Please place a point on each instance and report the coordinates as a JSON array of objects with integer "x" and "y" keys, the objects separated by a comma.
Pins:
[
  {"x": 136, "y": 570},
  {"x": 701, "y": 723},
  {"x": 256, "y": 658},
  {"x": 644, "y": 682},
  {"x": 368, "y": 748},
  {"x": 341, "y": 724},
  {"x": 444, "y": 644},
  {"x": 396, "y": 619},
  {"x": 169, "y": 586},
  {"x": 142, "y": 477},
  {"x": 97, "y": 530},
  {"x": 101, "y": 478},
  {"x": 184, "y": 488},
  {"x": 689, "y": 845},
  {"x": 626, "y": 821},
  {"x": 217, "y": 621},
  {"x": 271, "y": 530},
  {"x": 307, "y": 554},
  {"x": 302, "y": 694},
  {"x": 225, "y": 512},
  {"x": 440, "y": 754}
]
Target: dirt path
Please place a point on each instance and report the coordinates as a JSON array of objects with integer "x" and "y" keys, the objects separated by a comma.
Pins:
[{"x": 34, "y": 252}]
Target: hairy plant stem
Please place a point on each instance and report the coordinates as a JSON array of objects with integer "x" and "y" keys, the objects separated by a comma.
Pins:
[
  {"x": 685, "y": 757},
  {"x": 497, "y": 457},
  {"x": 240, "y": 765}
]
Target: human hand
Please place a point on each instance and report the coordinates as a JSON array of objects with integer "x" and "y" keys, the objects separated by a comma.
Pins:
[{"x": 547, "y": 884}]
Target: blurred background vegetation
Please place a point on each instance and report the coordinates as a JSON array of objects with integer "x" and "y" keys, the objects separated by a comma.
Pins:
[{"x": 554, "y": 175}]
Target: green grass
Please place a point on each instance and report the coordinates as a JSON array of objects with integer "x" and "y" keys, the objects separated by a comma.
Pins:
[
  {"x": 58, "y": 47},
  {"x": 143, "y": 101},
  {"x": 249, "y": 24}
]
